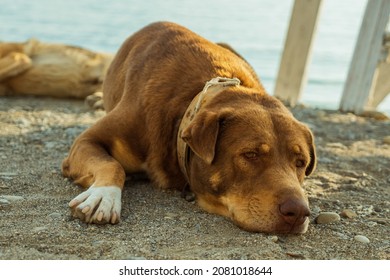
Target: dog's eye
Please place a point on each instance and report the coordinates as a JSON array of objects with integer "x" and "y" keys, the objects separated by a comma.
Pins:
[
  {"x": 251, "y": 155},
  {"x": 300, "y": 163}
]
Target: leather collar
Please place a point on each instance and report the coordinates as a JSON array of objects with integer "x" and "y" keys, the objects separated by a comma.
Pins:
[{"x": 211, "y": 88}]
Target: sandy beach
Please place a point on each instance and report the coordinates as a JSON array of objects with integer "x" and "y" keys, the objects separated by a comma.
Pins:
[{"x": 351, "y": 181}]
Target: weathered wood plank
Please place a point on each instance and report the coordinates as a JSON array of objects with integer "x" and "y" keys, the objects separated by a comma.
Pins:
[
  {"x": 297, "y": 51},
  {"x": 381, "y": 86},
  {"x": 381, "y": 83},
  {"x": 362, "y": 75}
]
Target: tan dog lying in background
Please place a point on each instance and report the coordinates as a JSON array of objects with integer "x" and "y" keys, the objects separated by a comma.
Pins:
[
  {"x": 45, "y": 69},
  {"x": 240, "y": 150}
]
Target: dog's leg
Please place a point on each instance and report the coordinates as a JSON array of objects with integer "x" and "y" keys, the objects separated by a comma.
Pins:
[
  {"x": 14, "y": 64},
  {"x": 91, "y": 165}
]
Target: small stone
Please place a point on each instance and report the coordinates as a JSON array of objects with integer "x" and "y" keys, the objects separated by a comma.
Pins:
[
  {"x": 315, "y": 209},
  {"x": 327, "y": 217},
  {"x": 297, "y": 255},
  {"x": 4, "y": 202},
  {"x": 135, "y": 258},
  {"x": 97, "y": 242},
  {"x": 361, "y": 238},
  {"x": 382, "y": 221},
  {"x": 50, "y": 145},
  {"x": 12, "y": 198},
  {"x": 8, "y": 174},
  {"x": 342, "y": 235},
  {"x": 365, "y": 210},
  {"x": 55, "y": 215},
  {"x": 348, "y": 213},
  {"x": 39, "y": 229},
  {"x": 170, "y": 216},
  {"x": 371, "y": 224},
  {"x": 273, "y": 238}
]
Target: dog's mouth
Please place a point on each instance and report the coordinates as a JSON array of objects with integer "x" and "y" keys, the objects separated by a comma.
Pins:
[{"x": 281, "y": 227}]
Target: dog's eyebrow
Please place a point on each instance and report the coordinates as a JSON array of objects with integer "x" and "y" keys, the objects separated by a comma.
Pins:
[
  {"x": 265, "y": 148},
  {"x": 296, "y": 149}
]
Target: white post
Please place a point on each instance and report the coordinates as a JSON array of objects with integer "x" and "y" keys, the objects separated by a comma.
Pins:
[
  {"x": 363, "y": 72},
  {"x": 297, "y": 51}
]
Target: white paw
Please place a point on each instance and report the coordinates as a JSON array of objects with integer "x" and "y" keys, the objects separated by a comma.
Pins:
[{"x": 99, "y": 205}]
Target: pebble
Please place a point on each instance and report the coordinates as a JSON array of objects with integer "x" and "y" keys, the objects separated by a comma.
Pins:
[
  {"x": 298, "y": 255},
  {"x": 4, "y": 202},
  {"x": 342, "y": 235},
  {"x": 8, "y": 174},
  {"x": 171, "y": 216},
  {"x": 337, "y": 146},
  {"x": 12, "y": 198},
  {"x": 327, "y": 217},
  {"x": 382, "y": 221},
  {"x": 39, "y": 229},
  {"x": 348, "y": 213},
  {"x": 273, "y": 238},
  {"x": 55, "y": 215},
  {"x": 361, "y": 238},
  {"x": 365, "y": 210},
  {"x": 97, "y": 242},
  {"x": 50, "y": 145},
  {"x": 135, "y": 258}
]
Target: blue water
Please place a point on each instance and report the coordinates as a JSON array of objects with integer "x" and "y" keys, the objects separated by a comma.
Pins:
[{"x": 256, "y": 28}]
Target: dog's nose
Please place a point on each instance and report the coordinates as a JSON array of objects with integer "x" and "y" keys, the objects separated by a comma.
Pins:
[{"x": 294, "y": 211}]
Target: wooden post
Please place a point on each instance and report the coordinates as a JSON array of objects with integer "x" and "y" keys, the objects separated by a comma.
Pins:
[
  {"x": 297, "y": 51},
  {"x": 363, "y": 72},
  {"x": 380, "y": 86},
  {"x": 381, "y": 83}
]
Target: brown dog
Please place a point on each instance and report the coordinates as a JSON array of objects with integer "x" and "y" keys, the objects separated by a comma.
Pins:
[
  {"x": 240, "y": 150},
  {"x": 46, "y": 69}
]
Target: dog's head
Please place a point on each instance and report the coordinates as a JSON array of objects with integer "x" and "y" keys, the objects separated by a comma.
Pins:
[{"x": 249, "y": 161}]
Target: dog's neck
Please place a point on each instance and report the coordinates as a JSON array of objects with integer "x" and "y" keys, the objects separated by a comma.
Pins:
[{"x": 211, "y": 89}]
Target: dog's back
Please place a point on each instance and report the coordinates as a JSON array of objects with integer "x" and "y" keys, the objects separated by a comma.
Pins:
[{"x": 173, "y": 54}]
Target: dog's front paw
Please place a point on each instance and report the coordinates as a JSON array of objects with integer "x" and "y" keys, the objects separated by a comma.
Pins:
[
  {"x": 95, "y": 101},
  {"x": 98, "y": 205}
]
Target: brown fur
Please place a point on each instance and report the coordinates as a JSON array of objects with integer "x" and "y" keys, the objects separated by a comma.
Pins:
[
  {"x": 36, "y": 68},
  {"x": 250, "y": 157}
]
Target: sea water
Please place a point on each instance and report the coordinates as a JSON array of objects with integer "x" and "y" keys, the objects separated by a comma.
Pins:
[{"x": 255, "y": 28}]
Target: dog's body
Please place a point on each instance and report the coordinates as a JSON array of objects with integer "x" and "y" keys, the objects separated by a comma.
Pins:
[
  {"x": 46, "y": 69},
  {"x": 248, "y": 155}
]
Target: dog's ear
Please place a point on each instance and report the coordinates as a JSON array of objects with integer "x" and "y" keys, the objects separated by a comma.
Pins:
[
  {"x": 313, "y": 158},
  {"x": 201, "y": 135}
]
